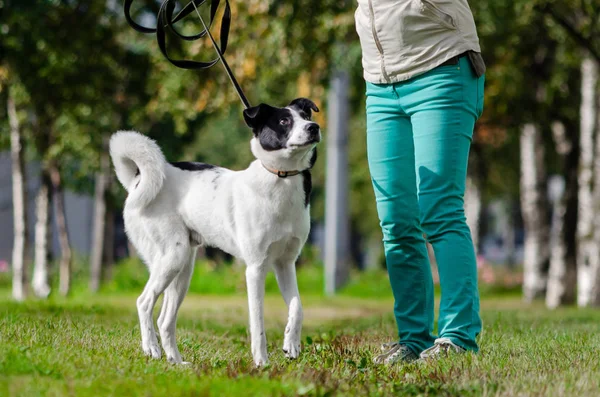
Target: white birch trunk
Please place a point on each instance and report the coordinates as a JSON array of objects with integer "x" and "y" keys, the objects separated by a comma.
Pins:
[
  {"x": 533, "y": 207},
  {"x": 594, "y": 298},
  {"x": 562, "y": 277},
  {"x": 40, "y": 285},
  {"x": 473, "y": 209},
  {"x": 19, "y": 191},
  {"x": 587, "y": 255}
]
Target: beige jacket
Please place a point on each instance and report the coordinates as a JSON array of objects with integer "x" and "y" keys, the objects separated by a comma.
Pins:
[{"x": 403, "y": 38}]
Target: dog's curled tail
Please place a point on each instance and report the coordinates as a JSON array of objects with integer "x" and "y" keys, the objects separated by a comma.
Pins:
[{"x": 134, "y": 154}]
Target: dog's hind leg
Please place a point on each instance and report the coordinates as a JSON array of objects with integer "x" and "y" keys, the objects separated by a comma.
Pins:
[
  {"x": 163, "y": 272},
  {"x": 286, "y": 279},
  {"x": 167, "y": 319}
]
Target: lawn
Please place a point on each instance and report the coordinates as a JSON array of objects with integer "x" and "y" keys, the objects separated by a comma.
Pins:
[{"x": 90, "y": 346}]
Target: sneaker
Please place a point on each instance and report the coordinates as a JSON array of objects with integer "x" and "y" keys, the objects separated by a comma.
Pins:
[
  {"x": 395, "y": 352},
  {"x": 442, "y": 347}
]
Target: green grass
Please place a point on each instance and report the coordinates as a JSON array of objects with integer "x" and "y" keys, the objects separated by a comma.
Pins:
[{"x": 90, "y": 346}]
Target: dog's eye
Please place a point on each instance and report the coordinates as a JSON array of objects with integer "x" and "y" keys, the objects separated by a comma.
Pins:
[{"x": 285, "y": 121}]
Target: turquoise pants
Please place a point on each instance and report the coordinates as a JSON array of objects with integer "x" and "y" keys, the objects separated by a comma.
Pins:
[{"x": 418, "y": 138}]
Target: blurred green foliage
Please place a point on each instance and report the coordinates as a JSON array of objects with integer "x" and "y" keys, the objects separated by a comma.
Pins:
[
  {"x": 211, "y": 279},
  {"x": 129, "y": 276}
]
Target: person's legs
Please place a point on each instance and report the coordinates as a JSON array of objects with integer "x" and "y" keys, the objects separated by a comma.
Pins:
[
  {"x": 444, "y": 105},
  {"x": 392, "y": 166}
]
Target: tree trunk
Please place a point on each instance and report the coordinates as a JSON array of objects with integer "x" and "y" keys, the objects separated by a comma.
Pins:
[
  {"x": 587, "y": 255},
  {"x": 509, "y": 232},
  {"x": 99, "y": 228},
  {"x": 473, "y": 193},
  {"x": 19, "y": 190},
  {"x": 534, "y": 209},
  {"x": 562, "y": 278},
  {"x": 42, "y": 234},
  {"x": 133, "y": 252},
  {"x": 109, "y": 244},
  {"x": 594, "y": 299},
  {"x": 63, "y": 232},
  {"x": 374, "y": 252},
  {"x": 473, "y": 209}
]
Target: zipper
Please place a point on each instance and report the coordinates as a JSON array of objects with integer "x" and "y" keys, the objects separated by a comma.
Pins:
[{"x": 377, "y": 43}]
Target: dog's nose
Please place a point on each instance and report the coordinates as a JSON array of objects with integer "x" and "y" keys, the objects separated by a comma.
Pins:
[{"x": 313, "y": 128}]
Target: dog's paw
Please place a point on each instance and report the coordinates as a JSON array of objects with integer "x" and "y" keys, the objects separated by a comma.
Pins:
[
  {"x": 152, "y": 349},
  {"x": 291, "y": 348},
  {"x": 174, "y": 359},
  {"x": 179, "y": 361},
  {"x": 261, "y": 363},
  {"x": 261, "y": 360}
]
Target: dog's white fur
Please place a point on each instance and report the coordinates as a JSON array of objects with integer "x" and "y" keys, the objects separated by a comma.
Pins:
[{"x": 251, "y": 214}]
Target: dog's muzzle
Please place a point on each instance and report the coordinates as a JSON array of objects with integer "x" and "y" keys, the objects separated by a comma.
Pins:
[{"x": 314, "y": 133}]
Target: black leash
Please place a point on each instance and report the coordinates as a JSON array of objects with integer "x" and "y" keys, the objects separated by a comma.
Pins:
[{"x": 165, "y": 19}]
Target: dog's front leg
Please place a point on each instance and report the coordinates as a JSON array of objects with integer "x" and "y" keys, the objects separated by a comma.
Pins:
[
  {"x": 286, "y": 278},
  {"x": 255, "y": 281}
]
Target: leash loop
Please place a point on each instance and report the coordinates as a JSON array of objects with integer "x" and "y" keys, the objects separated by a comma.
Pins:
[{"x": 165, "y": 20}]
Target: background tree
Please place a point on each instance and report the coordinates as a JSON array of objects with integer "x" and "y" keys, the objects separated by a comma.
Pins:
[
  {"x": 66, "y": 74},
  {"x": 580, "y": 21},
  {"x": 19, "y": 187},
  {"x": 85, "y": 74}
]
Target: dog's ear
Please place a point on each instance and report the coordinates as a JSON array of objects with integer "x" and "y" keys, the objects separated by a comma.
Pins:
[
  {"x": 256, "y": 116},
  {"x": 305, "y": 105}
]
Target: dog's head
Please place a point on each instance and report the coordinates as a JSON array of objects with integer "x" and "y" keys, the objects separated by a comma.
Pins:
[{"x": 284, "y": 137}]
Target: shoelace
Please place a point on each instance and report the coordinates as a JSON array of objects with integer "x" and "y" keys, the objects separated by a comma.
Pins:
[
  {"x": 439, "y": 345},
  {"x": 391, "y": 349},
  {"x": 389, "y": 345}
]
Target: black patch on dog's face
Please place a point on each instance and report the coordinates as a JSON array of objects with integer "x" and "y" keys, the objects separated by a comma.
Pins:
[
  {"x": 272, "y": 126},
  {"x": 192, "y": 166},
  {"x": 304, "y": 106}
]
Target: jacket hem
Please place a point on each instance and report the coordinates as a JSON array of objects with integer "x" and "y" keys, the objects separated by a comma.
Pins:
[{"x": 397, "y": 77}]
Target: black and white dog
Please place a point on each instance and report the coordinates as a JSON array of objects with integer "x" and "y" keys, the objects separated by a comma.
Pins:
[{"x": 260, "y": 215}]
